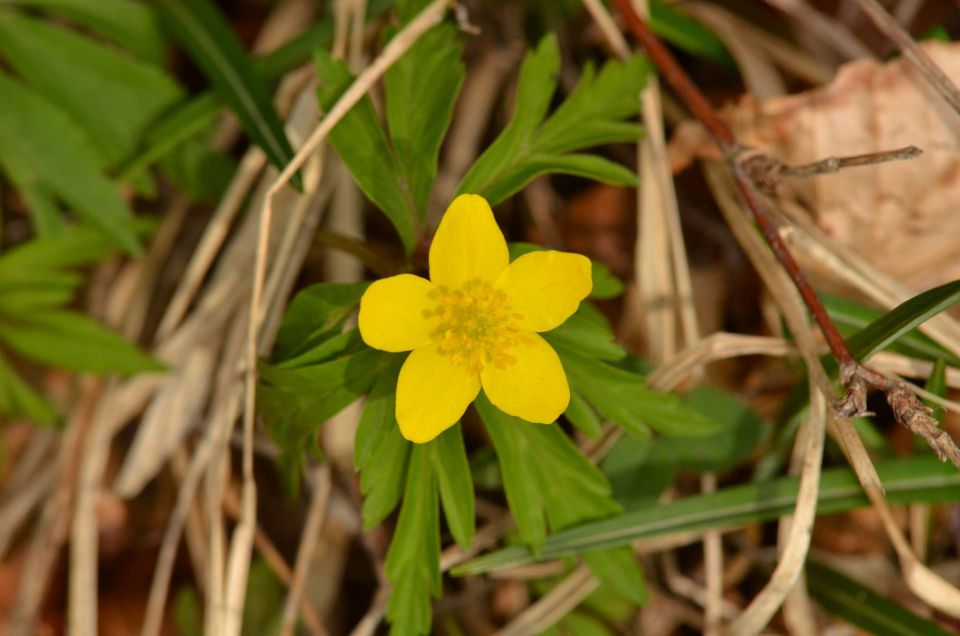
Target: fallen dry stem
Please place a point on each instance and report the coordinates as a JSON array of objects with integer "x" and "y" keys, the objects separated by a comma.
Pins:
[{"x": 766, "y": 172}]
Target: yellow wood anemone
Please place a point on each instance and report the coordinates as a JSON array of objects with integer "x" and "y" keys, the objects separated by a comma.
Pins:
[{"x": 475, "y": 323}]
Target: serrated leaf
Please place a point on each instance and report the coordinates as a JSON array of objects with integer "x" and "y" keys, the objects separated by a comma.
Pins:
[
  {"x": 421, "y": 88},
  {"x": 363, "y": 146},
  {"x": 863, "y": 607},
  {"x": 295, "y": 402},
  {"x": 314, "y": 313},
  {"x": 590, "y": 116},
  {"x": 582, "y": 415},
  {"x": 624, "y": 398},
  {"x": 904, "y": 480},
  {"x": 593, "y": 167},
  {"x": 378, "y": 415},
  {"x": 81, "y": 76},
  {"x": 452, "y": 473},
  {"x": 581, "y": 334},
  {"x": 132, "y": 25},
  {"x": 49, "y": 149},
  {"x": 413, "y": 562},
  {"x": 538, "y": 81},
  {"x": 546, "y": 478},
  {"x": 74, "y": 341},
  {"x": 204, "y": 33}
]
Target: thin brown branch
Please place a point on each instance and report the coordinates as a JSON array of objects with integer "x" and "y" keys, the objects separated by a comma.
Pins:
[{"x": 767, "y": 173}]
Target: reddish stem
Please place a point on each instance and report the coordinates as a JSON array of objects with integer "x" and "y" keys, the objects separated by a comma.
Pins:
[{"x": 684, "y": 87}]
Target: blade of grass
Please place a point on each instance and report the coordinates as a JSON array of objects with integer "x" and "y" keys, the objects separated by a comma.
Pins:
[
  {"x": 208, "y": 38},
  {"x": 862, "y": 607},
  {"x": 907, "y": 480}
]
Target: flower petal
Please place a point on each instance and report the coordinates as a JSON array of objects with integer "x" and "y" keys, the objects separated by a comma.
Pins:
[
  {"x": 391, "y": 313},
  {"x": 468, "y": 244},
  {"x": 432, "y": 394},
  {"x": 545, "y": 288},
  {"x": 534, "y": 387}
]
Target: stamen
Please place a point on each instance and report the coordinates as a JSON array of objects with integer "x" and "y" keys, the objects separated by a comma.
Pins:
[{"x": 474, "y": 326}]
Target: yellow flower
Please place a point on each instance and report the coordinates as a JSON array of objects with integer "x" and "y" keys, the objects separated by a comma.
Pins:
[{"x": 475, "y": 323}]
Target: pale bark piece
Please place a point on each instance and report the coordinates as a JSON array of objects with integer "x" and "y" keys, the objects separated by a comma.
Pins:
[{"x": 901, "y": 216}]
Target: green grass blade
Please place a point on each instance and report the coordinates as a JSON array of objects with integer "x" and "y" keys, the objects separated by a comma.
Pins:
[
  {"x": 862, "y": 607},
  {"x": 215, "y": 48},
  {"x": 907, "y": 480}
]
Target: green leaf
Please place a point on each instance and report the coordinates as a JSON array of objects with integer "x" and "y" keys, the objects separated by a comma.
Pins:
[
  {"x": 586, "y": 336},
  {"x": 624, "y": 397},
  {"x": 17, "y": 399},
  {"x": 48, "y": 147},
  {"x": 132, "y": 25},
  {"x": 80, "y": 245},
  {"x": 902, "y": 318},
  {"x": 74, "y": 341},
  {"x": 538, "y": 81},
  {"x": 380, "y": 451},
  {"x": 740, "y": 432},
  {"x": 313, "y": 315},
  {"x": 295, "y": 402},
  {"x": 546, "y": 478},
  {"x": 620, "y": 569},
  {"x": 198, "y": 170},
  {"x": 605, "y": 283},
  {"x": 421, "y": 88},
  {"x": 452, "y": 472},
  {"x": 363, "y": 146},
  {"x": 850, "y": 317},
  {"x": 582, "y": 415},
  {"x": 208, "y": 38},
  {"x": 686, "y": 33},
  {"x": 937, "y": 385},
  {"x": 906, "y": 480},
  {"x": 513, "y": 179},
  {"x": 378, "y": 415},
  {"x": 81, "y": 76},
  {"x": 592, "y": 115},
  {"x": 413, "y": 562},
  {"x": 863, "y": 607}
]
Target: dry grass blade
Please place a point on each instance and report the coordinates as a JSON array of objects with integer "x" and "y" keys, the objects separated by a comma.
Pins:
[
  {"x": 912, "y": 51},
  {"x": 553, "y": 606},
  {"x": 311, "y": 532},
  {"x": 831, "y": 32}
]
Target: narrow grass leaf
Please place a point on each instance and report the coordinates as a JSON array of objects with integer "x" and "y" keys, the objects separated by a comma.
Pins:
[
  {"x": 906, "y": 480},
  {"x": 863, "y": 607},
  {"x": 202, "y": 30}
]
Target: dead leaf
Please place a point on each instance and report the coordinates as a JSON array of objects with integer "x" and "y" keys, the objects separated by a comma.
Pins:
[{"x": 900, "y": 216}]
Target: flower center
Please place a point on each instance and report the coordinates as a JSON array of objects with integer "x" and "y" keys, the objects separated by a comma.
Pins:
[{"x": 474, "y": 326}]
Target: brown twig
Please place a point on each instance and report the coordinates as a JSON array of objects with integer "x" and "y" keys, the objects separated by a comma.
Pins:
[
  {"x": 767, "y": 173},
  {"x": 856, "y": 379}
]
